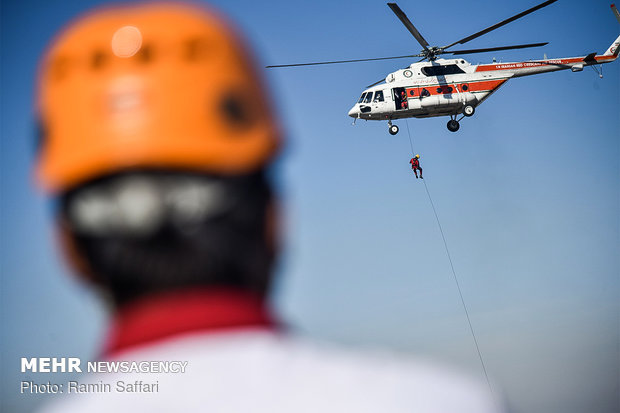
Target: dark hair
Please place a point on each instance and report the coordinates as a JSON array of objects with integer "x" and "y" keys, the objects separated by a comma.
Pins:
[{"x": 223, "y": 245}]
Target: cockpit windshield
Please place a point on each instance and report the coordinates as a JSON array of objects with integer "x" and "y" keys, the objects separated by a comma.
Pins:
[
  {"x": 368, "y": 97},
  {"x": 361, "y": 97}
]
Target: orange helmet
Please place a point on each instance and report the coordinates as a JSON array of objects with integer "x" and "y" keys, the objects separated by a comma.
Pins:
[{"x": 150, "y": 86}]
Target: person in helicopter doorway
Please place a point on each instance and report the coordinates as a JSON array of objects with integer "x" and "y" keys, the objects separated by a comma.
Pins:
[
  {"x": 415, "y": 166},
  {"x": 403, "y": 100}
]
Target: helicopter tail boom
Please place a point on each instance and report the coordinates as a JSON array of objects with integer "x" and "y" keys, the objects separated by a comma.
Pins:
[{"x": 533, "y": 67}]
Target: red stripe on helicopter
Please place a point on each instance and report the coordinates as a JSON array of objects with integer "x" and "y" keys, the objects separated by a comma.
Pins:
[{"x": 475, "y": 86}]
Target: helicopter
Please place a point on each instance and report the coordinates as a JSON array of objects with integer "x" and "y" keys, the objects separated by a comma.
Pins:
[{"x": 435, "y": 86}]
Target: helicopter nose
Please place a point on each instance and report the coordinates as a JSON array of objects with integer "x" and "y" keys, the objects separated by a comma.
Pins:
[{"x": 354, "y": 112}]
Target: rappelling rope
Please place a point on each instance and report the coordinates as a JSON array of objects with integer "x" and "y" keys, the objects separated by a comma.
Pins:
[{"x": 456, "y": 280}]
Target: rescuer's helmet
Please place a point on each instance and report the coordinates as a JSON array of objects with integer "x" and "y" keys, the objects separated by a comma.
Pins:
[
  {"x": 156, "y": 131},
  {"x": 160, "y": 86},
  {"x": 417, "y": 156}
]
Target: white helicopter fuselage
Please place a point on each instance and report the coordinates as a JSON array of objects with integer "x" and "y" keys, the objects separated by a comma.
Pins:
[{"x": 445, "y": 87}]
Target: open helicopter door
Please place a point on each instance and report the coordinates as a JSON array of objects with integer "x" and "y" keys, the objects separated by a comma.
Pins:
[{"x": 399, "y": 94}]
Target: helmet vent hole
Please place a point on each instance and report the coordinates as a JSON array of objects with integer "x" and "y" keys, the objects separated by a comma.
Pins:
[
  {"x": 236, "y": 111},
  {"x": 97, "y": 60},
  {"x": 145, "y": 54},
  {"x": 195, "y": 49}
]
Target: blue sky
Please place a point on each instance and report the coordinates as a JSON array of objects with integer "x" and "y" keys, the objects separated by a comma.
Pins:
[{"x": 527, "y": 192}]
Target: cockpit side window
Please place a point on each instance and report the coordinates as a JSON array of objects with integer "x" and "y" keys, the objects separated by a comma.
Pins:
[
  {"x": 378, "y": 96},
  {"x": 368, "y": 97},
  {"x": 361, "y": 97}
]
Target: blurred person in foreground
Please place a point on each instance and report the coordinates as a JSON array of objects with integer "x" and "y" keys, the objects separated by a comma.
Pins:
[{"x": 157, "y": 133}]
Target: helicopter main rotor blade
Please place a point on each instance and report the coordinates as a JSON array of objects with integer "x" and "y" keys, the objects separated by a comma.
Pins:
[
  {"x": 500, "y": 24},
  {"x": 403, "y": 18},
  {"x": 494, "y": 49},
  {"x": 615, "y": 10},
  {"x": 344, "y": 61},
  {"x": 376, "y": 83}
]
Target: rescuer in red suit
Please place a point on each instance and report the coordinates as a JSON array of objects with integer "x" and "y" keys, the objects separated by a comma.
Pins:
[{"x": 415, "y": 165}]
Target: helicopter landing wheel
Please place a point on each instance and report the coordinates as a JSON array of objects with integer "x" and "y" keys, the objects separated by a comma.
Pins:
[
  {"x": 453, "y": 125},
  {"x": 393, "y": 129},
  {"x": 469, "y": 110}
]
